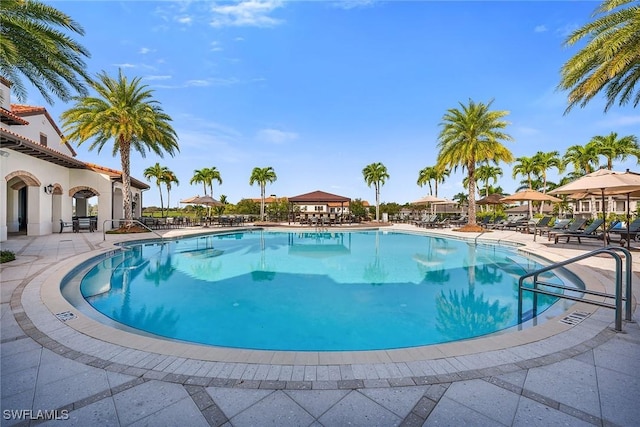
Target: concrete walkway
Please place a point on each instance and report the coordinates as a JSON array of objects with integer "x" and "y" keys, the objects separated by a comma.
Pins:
[{"x": 572, "y": 374}]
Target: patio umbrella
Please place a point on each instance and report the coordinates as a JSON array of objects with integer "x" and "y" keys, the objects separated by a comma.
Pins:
[
  {"x": 202, "y": 200},
  {"x": 190, "y": 200},
  {"x": 207, "y": 201},
  {"x": 491, "y": 199},
  {"x": 530, "y": 195},
  {"x": 428, "y": 200},
  {"x": 603, "y": 182}
]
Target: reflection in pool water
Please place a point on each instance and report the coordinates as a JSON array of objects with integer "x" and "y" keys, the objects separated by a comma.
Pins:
[{"x": 312, "y": 291}]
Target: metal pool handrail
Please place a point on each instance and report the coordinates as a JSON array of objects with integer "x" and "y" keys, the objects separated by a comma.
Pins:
[
  {"x": 133, "y": 221},
  {"x": 618, "y": 297}
]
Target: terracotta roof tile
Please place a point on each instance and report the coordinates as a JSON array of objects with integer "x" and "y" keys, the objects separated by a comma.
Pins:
[{"x": 30, "y": 110}]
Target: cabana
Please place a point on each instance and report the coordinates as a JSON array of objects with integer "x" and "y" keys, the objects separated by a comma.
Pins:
[{"x": 318, "y": 207}]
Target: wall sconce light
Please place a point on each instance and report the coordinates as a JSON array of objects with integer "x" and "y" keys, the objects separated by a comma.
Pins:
[
  {"x": 136, "y": 197},
  {"x": 48, "y": 189}
]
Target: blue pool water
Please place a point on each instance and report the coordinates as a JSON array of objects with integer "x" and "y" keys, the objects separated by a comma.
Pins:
[{"x": 312, "y": 291}]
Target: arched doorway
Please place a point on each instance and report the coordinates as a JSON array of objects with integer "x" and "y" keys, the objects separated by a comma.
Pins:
[
  {"x": 85, "y": 201},
  {"x": 22, "y": 202}
]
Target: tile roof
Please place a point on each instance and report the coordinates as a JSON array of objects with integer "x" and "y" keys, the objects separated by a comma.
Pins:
[
  {"x": 319, "y": 196},
  {"x": 10, "y": 118},
  {"x": 22, "y": 110},
  {"x": 117, "y": 175},
  {"x": 24, "y": 145}
]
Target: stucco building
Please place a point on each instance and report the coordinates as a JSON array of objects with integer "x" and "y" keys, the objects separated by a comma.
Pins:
[{"x": 44, "y": 182}]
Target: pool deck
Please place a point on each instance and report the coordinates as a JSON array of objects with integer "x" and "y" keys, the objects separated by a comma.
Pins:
[{"x": 570, "y": 370}]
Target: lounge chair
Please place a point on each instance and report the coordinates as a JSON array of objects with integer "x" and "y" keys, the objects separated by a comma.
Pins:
[
  {"x": 462, "y": 220},
  {"x": 427, "y": 221},
  {"x": 574, "y": 227},
  {"x": 515, "y": 222},
  {"x": 589, "y": 233},
  {"x": 534, "y": 226},
  {"x": 559, "y": 227},
  {"x": 444, "y": 222},
  {"x": 632, "y": 233}
]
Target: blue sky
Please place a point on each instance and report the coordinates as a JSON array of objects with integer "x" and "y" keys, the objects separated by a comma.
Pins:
[{"x": 320, "y": 89}]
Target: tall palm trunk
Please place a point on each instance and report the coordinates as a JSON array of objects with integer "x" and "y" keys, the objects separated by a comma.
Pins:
[
  {"x": 168, "y": 200},
  {"x": 377, "y": 185},
  {"x": 544, "y": 190},
  {"x": 472, "y": 194},
  {"x": 161, "y": 203},
  {"x": 262, "y": 196},
  {"x": 125, "y": 160}
]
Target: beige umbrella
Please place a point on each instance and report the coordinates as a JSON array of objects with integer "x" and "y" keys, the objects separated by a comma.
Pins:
[
  {"x": 207, "y": 201},
  {"x": 202, "y": 200},
  {"x": 530, "y": 195},
  {"x": 190, "y": 200},
  {"x": 603, "y": 182},
  {"x": 428, "y": 200}
]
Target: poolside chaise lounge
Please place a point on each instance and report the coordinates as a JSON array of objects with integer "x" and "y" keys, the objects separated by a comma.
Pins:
[
  {"x": 574, "y": 227},
  {"x": 631, "y": 234},
  {"x": 534, "y": 226},
  {"x": 589, "y": 233},
  {"x": 557, "y": 227}
]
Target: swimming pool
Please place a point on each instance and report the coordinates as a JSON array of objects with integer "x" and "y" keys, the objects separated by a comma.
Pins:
[{"x": 307, "y": 291}]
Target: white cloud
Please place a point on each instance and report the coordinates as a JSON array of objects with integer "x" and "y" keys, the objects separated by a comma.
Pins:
[
  {"x": 200, "y": 83},
  {"x": 619, "y": 121},
  {"x": 246, "y": 13},
  {"x": 145, "y": 50},
  {"x": 184, "y": 20},
  {"x": 276, "y": 136},
  {"x": 215, "y": 46},
  {"x": 540, "y": 29},
  {"x": 125, "y": 65},
  {"x": 566, "y": 30},
  {"x": 352, "y": 4},
  {"x": 157, "y": 77},
  {"x": 204, "y": 83},
  {"x": 524, "y": 130},
  {"x": 239, "y": 39}
]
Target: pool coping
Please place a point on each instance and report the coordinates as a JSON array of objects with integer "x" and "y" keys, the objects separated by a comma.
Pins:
[{"x": 83, "y": 339}]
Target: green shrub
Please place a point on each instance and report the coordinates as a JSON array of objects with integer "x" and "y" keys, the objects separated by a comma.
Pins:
[{"x": 6, "y": 256}]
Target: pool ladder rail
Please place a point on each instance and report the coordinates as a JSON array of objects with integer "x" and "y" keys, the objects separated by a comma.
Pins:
[{"x": 618, "y": 297}]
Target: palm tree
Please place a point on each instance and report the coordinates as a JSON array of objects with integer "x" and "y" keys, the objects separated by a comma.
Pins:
[
  {"x": 609, "y": 60},
  {"x": 376, "y": 174},
  {"x": 213, "y": 174},
  {"x": 425, "y": 176},
  {"x": 471, "y": 134},
  {"x": 526, "y": 167},
  {"x": 126, "y": 112},
  {"x": 614, "y": 148},
  {"x": 584, "y": 158},
  {"x": 200, "y": 177},
  {"x": 544, "y": 162},
  {"x": 169, "y": 178},
  {"x": 262, "y": 176},
  {"x": 432, "y": 173},
  {"x": 33, "y": 46},
  {"x": 485, "y": 173},
  {"x": 158, "y": 172}
]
